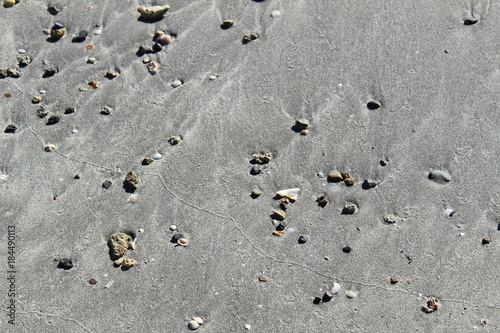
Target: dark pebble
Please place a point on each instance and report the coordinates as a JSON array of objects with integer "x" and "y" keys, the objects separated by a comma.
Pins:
[
  {"x": 368, "y": 183},
  {"x": 82, "y": 35},
  {"x": 77, "y": 176},
  {"x": 486, "y": 241},
  {"x": 10, "y": 129},
  {"x": 53, "y": 120},
  {"x": 143, "y": 50},
  {"x": 53, "y": 10},
  {"x": 346, "y": 249},
  {"x": 69, "y": 110},
  {"x": 157, "y": 47},
  {"x": 176, "y": 237},
  {"x": 49, "y": 72},
  {"x": 24, "y": 60},
  {"x": 327, "y": 297},
  {"x": 303, "y": 239},
  {"x": 383, "y": 163},
  {"x": 107, "y": 184},
  {"x": 42, "y": 112},
  {"x": 317, "y": 300},
  {"x": 470, "y": 21},
  {"x": 255, "y": 170},
  {"x": 65, "y": 263},
  {"x": 373, "y": 105}
]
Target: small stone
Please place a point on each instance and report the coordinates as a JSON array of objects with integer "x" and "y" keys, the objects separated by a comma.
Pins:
[
  {"x": 164, "y": 39},
  {"x": 53, "y": 120},
  {"x": 128, "y": 262},
  {"x": 57, "y": 33},
  {"x": 432, "y": 305},
  {"x": 226, "y": 24},
  {"x": 263, "y": 278},
  {"x": 69, "y": 110},
  {"x": 89, "y": 47},
  {"x": 97, "y": 32},
  {"x": 111, "y": 75},
  {"x": 176, "y": 84},
  {"x": 65, "y": 263},
  {"x": 10, "y": 129},
  {"x": 107, "y": 184},
  {"x": 153, "y": 12},
  {"x": 278, "y": 233},
  {"x": 303, "y": 239},
  {"x": 448, "y": 212},
  {"x": 7, "y": 94},
  {"x": 262, "y": 158},
  {"x": 21, "y": 51},
  {"x": 106, "y": 110},
  {"x": 193, "y": 325},
  {"x": 390, "y": 219},
  {"x": 394, "y": 280},
  {"x": 351, "y": 294},
  {"x": 327, "y": 297},
  {"x": 91, "y": 60},
  {"x": 335, "y": 177},
  {"x": 280, "y": 226},
  {"x": 58, "y": 25},
  {"x": 279, "y": 214},
  {"x": 470, "y": 21},
  {"x": 120, "y": 243},
  {"x": 320, "y": 174},
  {"x": 248, "y": 327},
  {"x": 302, "y": 123},
  {"x": 304, "y": 132},
  {"x": 42, "y": 92},
  {"x": 93, "y": 84},
  {"x": 147, "y": 161},
  {"x": 153, "y": 67},
  {"x": 349, "y": 181},
  {"x": 317, "y": 300},
  {"x": 212, "y": 77},
  {"x": 275, "y": 13},
  {"x": 255, "y": 170},
  {"x": 49, "y": 72},
  {"x": 82, "y": 35},
  {"x": 53, "y": 10},
  {"x": 9, "y": 3},
  {"x": 157, "y": 156},
  {"x": 74, "y": 131},
  {"x": 177, "y": 236},
  {"x": 373, "y": 105},
  {"x": 131, "y": 181},
  {"x": 175, "y": 140},
  {"x": 350, "y": 208},
  {"x": 249, "y": 37},
  {"x": 24, "y": 60},
  {"x": 36, "y": 99},
  {"x": 322, "y": 201},
  {"x": 198, "y": 319},
  {"x": 76, "y": 177},
  {"x": 486, "y": 241},
  {"x": 347, "y": 249},
  {"x": 172, "y": 227},
  {"x": 256, "y": 193},
  {"x": 12, "y": 72},
  {"x": 157, "y": 47},
  {"x": 439, "y": 176},
  {"x": 42, "y": 112},
  {"x": 369, "y": 183},
  {"x": 50, "y": 147},
  {"x": 93, "y": 281}
]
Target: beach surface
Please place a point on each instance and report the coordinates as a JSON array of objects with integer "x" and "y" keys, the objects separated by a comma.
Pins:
[{"x": 400, "y": 96}]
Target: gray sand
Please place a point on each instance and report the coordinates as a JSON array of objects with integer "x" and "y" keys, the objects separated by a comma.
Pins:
[{"x": 438, "y": 83}]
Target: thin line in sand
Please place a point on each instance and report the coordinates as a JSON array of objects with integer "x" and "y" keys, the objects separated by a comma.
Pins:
[{"x": 58, "y": 316}]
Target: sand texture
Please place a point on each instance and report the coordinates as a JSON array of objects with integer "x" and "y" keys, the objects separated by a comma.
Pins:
[{"x": 389, "y": 92}]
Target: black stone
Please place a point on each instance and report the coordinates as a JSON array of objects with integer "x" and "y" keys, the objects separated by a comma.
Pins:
[
  {"x": 77, "y": 176},
  {"x": 53, "y": 120},
  {"x": 255, "y": 170},
  {"x": 157, "y": 47},
  {"x": 303, "y": 239},
  {"x": 373, "y": 105},
  {"x": 107, "y": 184},
  {"x": 470, "y": 21},
  {"x": 49, "y": 72},
  {"x": 368, "y": 183},
  {"x": 176, "y": 237},
  {"x": 142, "y": 51},
  {"x": 317, "y": 300},
  {"x": 69, "y": 110},
  {"x": 327, "y": 297},
  {"x": 65, "y": 263},
  {"x": 82, "y": 35},
  {"x": 53, "y": 10},
  {"x": 42, "y": 112},
  {"x": 10, "y": 129},
  {"x": 346, "y": 249}
]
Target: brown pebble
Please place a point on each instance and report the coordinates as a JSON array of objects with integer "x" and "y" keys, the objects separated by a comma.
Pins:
[
  {"x": 111, "y": 75},
  {"x": 89, "y": 47},
  {"x": 322, "y": 201},
  {"x": 278, "y": 233},
  {"x": 394, "y": 280},
  {"x": 263, "y": 278},
  {"x": 432, "y": 305},
  {"x": 93, "y": 84},
  {"x": 93, "y": 281},
  {"x": 304, "y": 132},
  {"x": 36, "y": 99},
  {"x": 349, "y": 181},
  {"x": 57, "y": 33},
  {"x": 335, "y": 176},
  {"x": 131, "y": 181},
  {"x": 486, "y": 241},
  {"x": 280, "y": 214},
  {"x": 147, "y": 161},
  {"x": 7, "y": 95},
  {"x": 345, "y": 175}
]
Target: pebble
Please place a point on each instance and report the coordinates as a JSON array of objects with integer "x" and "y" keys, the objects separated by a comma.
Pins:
[
  {"x": 157, "y": 156},
  {"x": 226, "y": 24},
  {"x": 9, "y": 3},
  {"x": 97, "y": 32},
  {"x": 152, "y": 13},
  {"x": 49, "y": 72},
  {"x": 106, "y": 110},
  {"x": 369, "y": 183},
  {"x": 36, "y": 99},
  {"x": 349, "y": 181},
  {"x": 275, "y": 13},
  {"x": 193, "y": 325},
  {"x": 74, "y": 131},
  {"x": 107, "y": 184},
  {"x": 147, "y": 161},
  {"x": 486, "y": 241},
  {"x": 93, "y": 84},
  {"x": 53, "y": 10},
  {"x": 82, "y": 35},
  {"x": 249, "y": 37},
  {"x": 65, "y": 263},
  {"x": 212, "y": 77},
  {"x": 176, "y": 84},
  {"x": 448, "y": 212},
  {"x": 327, "y": 297},
  {"x": 93, "y": 281},
  {"x": 390, "y": 219},
  {"x": 172, "y": 227},
  {"x": 57, "y": 33},
  {"x": 263, "y": 278},
  {"x": 347, "y": 249},
  {"x": 350, "y": 208},
  {"x": 256, "y": 193},
  {"x": 439, "y": 176},
  {"x": 10, "y": 129},
  {"x": 42, "y": 92},
  {"x": 42, "y": 112},
  {"x": 164, "y": 39},
  {"x": 91, "y": 60},
  {"x": 198, "y": 319},
  {"x": 131, "y": 181},
  {"x": 461, "y": 234},
  {"x": 24, "y": 61},
  {"x": 248, "y": 327},
  {"x": 53, "y": 120},
  {"x": 255, "y": 170},
  {"x": 373, "y": 105},
  {"x": 21, "y": 51},
  {"x": 153, "y": 67},
  {"x": 336, "y": 288},
  {"x": 351, "y": 294},
  {"x": 394, "y": 280},
  {"x": 175, "y": 140},
  {"x": 280, "y": 214},
  {"x": 177, "y": 236},
  {"x": 303, "y": 239},
  {"x": 69, "y": 110},
  {"x": 322, "y": 201},
  {"x": 302, "y": 123},
  {"x": 335, "y": 176},
  {"x": 320, "y": 174}
]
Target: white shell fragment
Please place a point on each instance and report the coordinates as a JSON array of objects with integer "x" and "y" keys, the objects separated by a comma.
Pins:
[
  {"x": 193, "y": 325},
  {"x": 173, "y": 227},
  {"x": 197, "y": 319},
  {"x": 292, "y": 193},
  {"x": 351, "y": 294},
  {"x": 248, "y": 327},
  {"x": 336, "y": 288},
  {"x": 157, "y": 156},
  {"x": 448, "y": 212}
]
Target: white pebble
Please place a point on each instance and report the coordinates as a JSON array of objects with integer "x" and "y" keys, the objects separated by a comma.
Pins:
[
  {"x": 110, "y": 283},
  {"x": 42, "y": 92},
  {"x": 336, "y": 288},
  {"x": 448, "y": 212},
  {"x": 141, "y": 230},
  {"x": 193, "y": 325},
  {"x": 248, "y": 327},
  {"x": 173, "y": 227},
  {"x": 21, "y": 51},
  {"x": 176, "y": 84},
  {"x": 197, "y": 319},
  {"x": 97, "y": 31},
  {"x": 351, "y": 294},
  {"x": 157, "y": 156},
  {"x": 74, "y": 131},
  {"x": 462, "y": 234},
  {"x": 275, "y": 13},
  {"x": 212, "y": 77}
]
